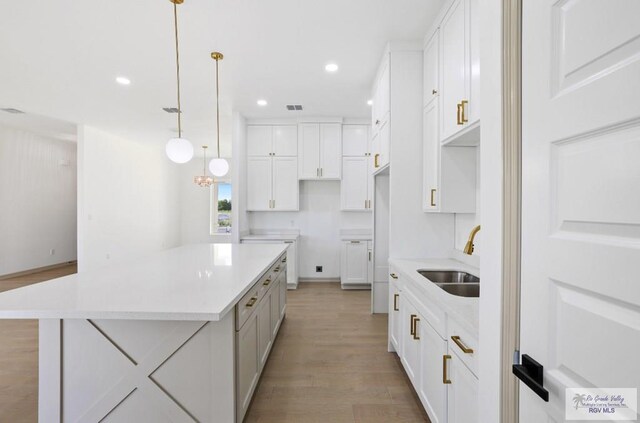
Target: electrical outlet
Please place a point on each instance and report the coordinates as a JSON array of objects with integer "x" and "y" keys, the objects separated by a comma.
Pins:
[
  {"x": 52, "y": 251},
  {"x": 318, "y": 269}
]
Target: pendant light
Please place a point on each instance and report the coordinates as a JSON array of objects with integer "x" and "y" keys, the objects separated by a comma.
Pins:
[
  {"x": 218, "y": 166},
  {"x": 203, "y": 180},
  {"x": 179, "y": 150}
]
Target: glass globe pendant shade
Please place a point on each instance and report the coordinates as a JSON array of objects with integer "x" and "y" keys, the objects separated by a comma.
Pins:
[
  {"x": 218, "y": 167},
  {"x": 179, "y": 150}
]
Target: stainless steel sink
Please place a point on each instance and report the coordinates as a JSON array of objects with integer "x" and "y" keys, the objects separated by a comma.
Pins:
[
  {"x": 461, "y": 289},
  {"x": 449, "y": 276}
]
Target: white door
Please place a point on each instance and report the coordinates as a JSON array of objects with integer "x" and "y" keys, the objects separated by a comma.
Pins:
[
  {"x": 309, "y": 151},
  {"x": 354, "y": 193},
  {"x": 330, "y": 150},
  {"x": 354, "y": 262},
  {"x": 462, "y": 392},
  {"x": 355, "y": 140},
  {"x": 395, "y": 304},
  {"x": 259, "y": 183},
  {"x": 431, "y": 85},
  {"x": 452, "y": 33},
  {"x": 285, "y": 183},
  {"x": 432, "y": 391},
  {"x": 410, "y": 348},
  {"x": 285, "y": 140},
  {"x": 259, "y": 140},
  {"x": 580, "y": 307},
  {"x": 430, "y": 158}
]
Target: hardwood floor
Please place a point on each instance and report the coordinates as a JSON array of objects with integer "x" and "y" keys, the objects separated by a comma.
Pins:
[
  {"x": 329, "y": 363},
  {"x": 19, "y": 355}
]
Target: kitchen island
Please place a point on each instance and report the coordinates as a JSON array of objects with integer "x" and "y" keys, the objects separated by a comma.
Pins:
[{"x": 178, "y": 336}]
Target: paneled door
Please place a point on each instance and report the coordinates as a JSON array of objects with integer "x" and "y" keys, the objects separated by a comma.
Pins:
[
  {"x": 330, "y": 150},
  {"x": 580, "y": 307},
  {"x": 259, "y": 183},
  {"x": 285, "y": 183}
]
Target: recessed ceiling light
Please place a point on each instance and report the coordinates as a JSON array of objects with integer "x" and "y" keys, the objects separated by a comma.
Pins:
[
  {"x": 331, "y": 67},
  {"x": 369, "y": 102},
  {"x": 123, "y": 81},
  {"x": 262, "y": 102}
]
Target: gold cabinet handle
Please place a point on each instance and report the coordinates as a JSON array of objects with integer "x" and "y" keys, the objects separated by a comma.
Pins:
[
  {"x": 462, "y": 346},
  {"x": 433, "y": 197},
  {"x": 434, "y": 91},
  {"x": 284, "y": 260},
  {"x": 458, "y": 117},
  {"x": 277, "y": 269},
  {"x": 266, "y": 282},
  {"x": 462, "y": 115},
  {"x": 415, "y": 328},
  {"x": 394, "y": 276},
  {"x": 252, "y": 301},
  {"x": 395, "y": 302},
  {"x": 444, "y": 369},
  {"x": 375, "y": 160}
]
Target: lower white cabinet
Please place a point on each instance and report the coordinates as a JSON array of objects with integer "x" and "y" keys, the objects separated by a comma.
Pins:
[
  {"x": 275, "y": 307},
  {"x": 462, "y": 391},
  {"x": 265, "y": 334},
  {"x": 395, "y": 300},
  {"x": 356, "y": 264},
  {"x": 431, "y": 389},
  {"x": 247, "y": 363},
  {"x": 410, "y": 340}
]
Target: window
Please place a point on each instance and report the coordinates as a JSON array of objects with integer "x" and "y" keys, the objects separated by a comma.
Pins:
[{"x": 221, "y": 208}]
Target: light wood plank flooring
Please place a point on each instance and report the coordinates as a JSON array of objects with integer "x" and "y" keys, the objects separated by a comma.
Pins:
[
  {"x": 329, "y": 363},
  {"x": 19, "y": 355}
]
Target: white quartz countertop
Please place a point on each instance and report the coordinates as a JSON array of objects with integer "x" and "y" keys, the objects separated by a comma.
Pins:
[
  {"x": 463, "y": 310},
  {"x": 272, "y": 237},
  {"x": 192, "y": 282}
]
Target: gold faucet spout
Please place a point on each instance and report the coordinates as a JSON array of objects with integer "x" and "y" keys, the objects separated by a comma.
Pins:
[{"x": 468, "y": 249}]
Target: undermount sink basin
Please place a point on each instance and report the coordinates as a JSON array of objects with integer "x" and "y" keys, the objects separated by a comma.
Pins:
[
  {"x": 449, "y": 276},
  {"x": 461, "y": 289}
]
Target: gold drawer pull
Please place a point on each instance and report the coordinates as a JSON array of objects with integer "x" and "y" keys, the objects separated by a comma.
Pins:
[
  {"x": 458, "y": 117},
  {"x": 284, "y": 260},
  {"x": 266, "y": 282},
  {"x": 395, "y": 302},
  {"x": 444, "y": 369},
  {"x": 394, "y": 276},
  {"x": 433, "y": 200},
  {"x": 252, "y": 301},
  {"x": 415, "y": 328},
  {"x": 462, "y": 346},
  {"x": 277, "y": 269},
  {"x": 375, "y": 160},
  {"x": 462, "y": 105}
]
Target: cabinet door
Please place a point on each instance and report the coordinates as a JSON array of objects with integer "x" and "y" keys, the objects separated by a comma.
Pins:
[
  {"x": 285, "y": 140},
  {"x": 264, "y": 328},
  {"x": 410, "y": 344},
  {"x": 396, "y": 303},
  {"x": 454, "y": 68},
  {"x": 354, "y": 262},
  {"x": 430, "y": 157},
  {"x": 354, "y": 185},
  {"x": 384, "y": 97},
  {"x": 285, "y": 183},
  {"x": 283, "y": 292},
  {"x": 292, "y": 264},
  {"x": 432, "y": 391},
  {"x": 385, "y": 140},
  {"x": 370, "y": 262},
  {"x": 473, "y": 17},
  {"x": 275, "y": 307},
  {"x": 330, "y": 150},
  {"x": 259, "y": 140},
  {"x": 355, "y": 140},
  {"x": 431, "y": 85},
  {"x": 375, "y": 152},
  {"x": 370, "y": 182},
  {"x": 258, "y": 183},
  {"x": 247, "y": 371},
  {"x": 462, "y": 392},
  {"x": 309, "y": 151}
]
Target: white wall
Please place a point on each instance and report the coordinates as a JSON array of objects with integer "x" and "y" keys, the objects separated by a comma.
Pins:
[
  {"x": 464, "y": 222},
  {"x": 319, "y": 222},
  {"x": 239, "y": 190},
  {"x": 38, "y": 198},
  {"x": 128, "y": 203}
]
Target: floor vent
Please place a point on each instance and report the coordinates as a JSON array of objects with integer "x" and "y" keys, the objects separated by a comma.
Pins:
[
  {"x": 294, "y": 107},
  {"x": 170, "y": 109},
  {"x": 11, "y": 110}
]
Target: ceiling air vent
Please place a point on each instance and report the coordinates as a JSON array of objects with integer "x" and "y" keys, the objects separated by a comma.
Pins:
[
  {"x": 294, "y": 107},
  {"x": 14, "y": 111},
  {"x": 170, "y": 109}
]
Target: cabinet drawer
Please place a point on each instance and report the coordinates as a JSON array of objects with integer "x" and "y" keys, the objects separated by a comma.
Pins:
[
  {"x": 247, "y": 305},
  {"x": 265, "y": 283},
  {"x": 464, "y": 344}
]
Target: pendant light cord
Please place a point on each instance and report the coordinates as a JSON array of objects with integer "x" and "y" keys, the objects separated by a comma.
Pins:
[
  {"x": 175, "y": 25},
  {"x": 218, "y": 108}
]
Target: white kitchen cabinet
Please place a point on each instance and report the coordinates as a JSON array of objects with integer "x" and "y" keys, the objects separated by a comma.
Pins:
[
  {"x": 272, "y": 140},
  {"x": 355, "y": 264},
  {"x": 355, "y": 186},
  {"x": 320, "y": 150},
  {"x": 275, "y": 306},
  {"x": 380, "y": 113},
  {"x": 356, "y": 141},
  {"x": 247, "y": 363},
  {"x": 449, "y": 172},
  {"x": 395, "y": 304},
  {"x": 462, "y": 391},
  {"x": 459, "y": 57},
  {"x": 272, "y": 184},
  {"x": 265, "y": 334},
  {"x": 431, "y": 390},
  {"x": 431, "y": 82},
  {"x": 410, "y": 322}
]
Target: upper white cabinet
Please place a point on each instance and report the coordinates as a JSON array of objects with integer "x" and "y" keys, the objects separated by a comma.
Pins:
[
  {"x": 272, "y": 140},
  {"x": 460, "y": 70},
  {"x": 356, "y": 141},
  {"x": 272, "y": 184},
  {"x": 380, "y": 114},
  {"x": 357, "y": 183},
  {"x": 431, "y": 70},
  {"x": 319, "y": 150}
]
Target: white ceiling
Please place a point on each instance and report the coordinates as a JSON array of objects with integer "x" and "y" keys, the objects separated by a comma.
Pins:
[{"x": 60, "y": 58}]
